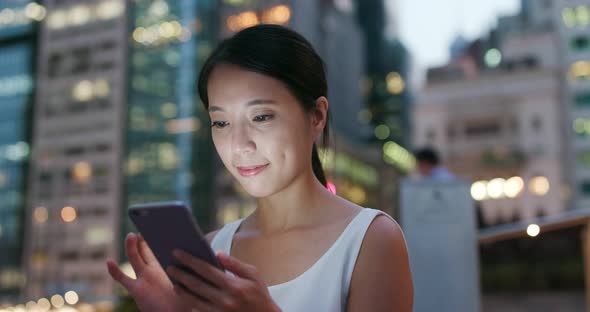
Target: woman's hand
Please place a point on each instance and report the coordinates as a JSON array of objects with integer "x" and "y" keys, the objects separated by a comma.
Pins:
[
  {"x": 214, "y": 290},
  {"x": 152, "y": 290}
]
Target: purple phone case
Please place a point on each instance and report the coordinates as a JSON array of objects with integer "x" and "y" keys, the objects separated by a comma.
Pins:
[{"x": 166, "y": 226}]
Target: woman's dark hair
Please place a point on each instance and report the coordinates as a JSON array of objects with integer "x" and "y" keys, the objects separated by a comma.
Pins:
[{"x": 282, "y": 54}]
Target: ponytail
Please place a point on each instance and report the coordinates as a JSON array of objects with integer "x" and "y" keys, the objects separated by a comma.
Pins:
[{"x": 316, "y": 165}]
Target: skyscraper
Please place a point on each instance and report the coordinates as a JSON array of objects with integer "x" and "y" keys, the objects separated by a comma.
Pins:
[
  {"x": 169, "y": 153},
  {"x": 385, "y": 84},
  {"x": 17, "y": 44},
  {"x": 75, "y": 181}
]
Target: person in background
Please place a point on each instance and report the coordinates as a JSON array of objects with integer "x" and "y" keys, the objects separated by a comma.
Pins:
[{"x": 429, "y": 167}]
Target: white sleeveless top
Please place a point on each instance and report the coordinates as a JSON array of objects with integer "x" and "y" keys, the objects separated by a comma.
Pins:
[{"x": 324, "y": 286}]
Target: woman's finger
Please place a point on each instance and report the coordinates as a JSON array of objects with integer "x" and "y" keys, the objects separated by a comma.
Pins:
[
  {"x": 195, "y": 284},
  {"x": 238, "y": 267},
  {"x": 202, "y": 268},
  {"x": 195, "y": 303},
  {"x": 119, "y": 276},
  {"x": 132, "y": 250},
  {"x": 146, "y": 252}
]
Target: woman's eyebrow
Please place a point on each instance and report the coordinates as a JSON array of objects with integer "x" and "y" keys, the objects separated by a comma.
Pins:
[
  {"x": 250, "y": 103},
  {"x": 260, "y": 102},
  {"x": 214, "y": 109}
]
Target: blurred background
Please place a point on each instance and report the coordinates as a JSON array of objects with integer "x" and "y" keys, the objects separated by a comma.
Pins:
[{"x": 99, "y": 110}]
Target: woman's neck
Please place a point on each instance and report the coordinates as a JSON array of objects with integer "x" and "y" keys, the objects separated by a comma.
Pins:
[{"x": 300, "y": 204}]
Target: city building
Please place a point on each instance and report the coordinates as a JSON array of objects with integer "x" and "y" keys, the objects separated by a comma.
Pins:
[
  {"x": 74, "y": 204},
  {"x": 18, "y": 24},
  {"x": 168, "y": 149},
  {"x": 503, "y": 131},
  {"x": 385, "y": 82}
]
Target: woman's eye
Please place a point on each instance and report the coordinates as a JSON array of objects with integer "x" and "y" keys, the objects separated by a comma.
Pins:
[
  {"x": 219, "y": 124},
  {"x": 261, "y": 118}
]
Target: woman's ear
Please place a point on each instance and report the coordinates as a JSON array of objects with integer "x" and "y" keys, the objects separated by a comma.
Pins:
[{"x": 319, "y": 117}]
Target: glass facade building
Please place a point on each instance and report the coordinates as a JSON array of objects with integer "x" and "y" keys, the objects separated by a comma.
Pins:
[
  {"x": 16, "y": 97},
  {"x": 169, "y": 153},
  {"x": 387, "y": 74}
]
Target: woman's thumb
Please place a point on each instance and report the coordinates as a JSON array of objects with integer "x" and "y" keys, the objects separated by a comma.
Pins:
[{"x": 118, "y": 275}]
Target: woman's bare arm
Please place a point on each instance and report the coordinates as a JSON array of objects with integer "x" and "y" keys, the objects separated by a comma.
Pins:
[{"x": 381, "y": 280}]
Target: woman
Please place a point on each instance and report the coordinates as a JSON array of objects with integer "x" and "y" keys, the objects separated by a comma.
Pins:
[{"x": 303, "y": 249}]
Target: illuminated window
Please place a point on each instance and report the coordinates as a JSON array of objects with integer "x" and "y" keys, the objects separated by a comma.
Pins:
[
  {"x": 135, "y": 165},
  {"x": 79, "y": 15},
  {"x": 580, "y": 70},
  {"x": 583, "y": 15},
  {"x": 236, "y": 2},
  {"x": 493, "y": 58},
  {"x": 539, "y": 185},
  {"x": 167, "y": 156},
  {"x": 569, "y": 17},
  {"x": 382, "y": 132},
  {"x": 581, "y": 127},
  {"x": 15, "y": 85},
  {"x": 576, "y": 16},
  {"x": 3, "y": 179},
  {"x": 82, "y": 172}
]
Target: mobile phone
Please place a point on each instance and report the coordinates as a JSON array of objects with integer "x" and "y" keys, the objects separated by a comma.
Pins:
[{"x": 166, "y": 226}]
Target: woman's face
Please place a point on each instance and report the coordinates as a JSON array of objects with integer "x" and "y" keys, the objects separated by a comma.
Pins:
[{"x": 261, "y": 132}]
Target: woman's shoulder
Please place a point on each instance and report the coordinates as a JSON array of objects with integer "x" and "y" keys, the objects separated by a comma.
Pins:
[
  {"x": 383, "y": 229},
  {"x": 383, "y": 247},
  {"x": 384, "y": 239}
]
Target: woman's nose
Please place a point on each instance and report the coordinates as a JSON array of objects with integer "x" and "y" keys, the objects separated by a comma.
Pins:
[{"x": 241, "y": 141}]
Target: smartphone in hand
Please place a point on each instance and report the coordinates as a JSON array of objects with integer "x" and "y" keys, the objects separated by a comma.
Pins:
[{"x": 166, "y": 226}]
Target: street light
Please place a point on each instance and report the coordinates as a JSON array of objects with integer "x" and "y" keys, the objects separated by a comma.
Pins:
[
  {"x": 68, "y": 214},
  {"x": 395, "y": 83},
  {"x": 533, "y": 230}
]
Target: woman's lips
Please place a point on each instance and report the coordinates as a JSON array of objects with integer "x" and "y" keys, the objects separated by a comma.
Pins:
[{"x": 251, "y": 170}]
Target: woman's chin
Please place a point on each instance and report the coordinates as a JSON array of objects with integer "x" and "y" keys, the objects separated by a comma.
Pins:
[{"x": 259, "y": 192}]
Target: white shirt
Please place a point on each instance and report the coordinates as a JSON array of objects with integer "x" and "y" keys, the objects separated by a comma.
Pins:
[{"x": 324, "y": 286}]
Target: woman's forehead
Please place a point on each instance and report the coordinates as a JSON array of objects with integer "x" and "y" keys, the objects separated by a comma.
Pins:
[
  {"x": 227, "y": 75},
  {"x": 231, "y": 84}
]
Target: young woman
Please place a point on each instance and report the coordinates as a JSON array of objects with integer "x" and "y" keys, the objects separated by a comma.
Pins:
[{"x": 303, "y": 249}]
